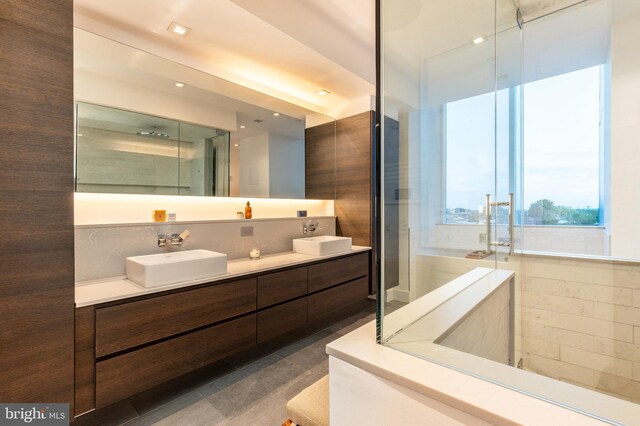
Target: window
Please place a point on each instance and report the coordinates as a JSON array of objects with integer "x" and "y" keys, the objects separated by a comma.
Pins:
[{"x": 561, "y": 151}]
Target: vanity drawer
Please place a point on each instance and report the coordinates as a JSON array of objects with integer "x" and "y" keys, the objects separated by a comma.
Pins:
[
  {"x": 282, "y": 319},
  {"x": 328, "y": 274},
  {"x": 326, "y": 305},
  {"x": 133, "y": 372},
  {"x": 131, "y": 324},
  {"x": 281, "y": 286}
]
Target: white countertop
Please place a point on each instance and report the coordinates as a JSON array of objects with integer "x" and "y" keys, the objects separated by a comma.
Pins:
[{"x": 116, "y": 288}]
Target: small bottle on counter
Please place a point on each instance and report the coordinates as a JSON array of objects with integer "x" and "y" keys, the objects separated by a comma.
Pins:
[{"x": 247, "y": 211}]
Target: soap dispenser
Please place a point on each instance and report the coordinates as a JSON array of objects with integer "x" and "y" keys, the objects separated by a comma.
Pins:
[{"x": 247, "y": 211}]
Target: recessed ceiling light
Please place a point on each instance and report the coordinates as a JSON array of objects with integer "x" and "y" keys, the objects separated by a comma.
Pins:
[
  {"x": 80, "y": 134},
  {"x": 477, "y": 40},
  {"x": 235, "y": 144},
  {"x": 178, "y": 29},
  {"x": 323, "y": 92},
  {"x": 179, "y": 84},
  {"x": 243, "y": 127},
  {"x": 276, "y": 114}
]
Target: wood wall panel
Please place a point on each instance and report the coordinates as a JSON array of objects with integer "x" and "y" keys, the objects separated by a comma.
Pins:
[
  {"x": 353, "y": 203},
  {"x": 319, "y": 163},
  {"x": 85, "y": 362},
  {"x": 36, "y": 193},
  {"x": 353, "y": 186},
  {"x": 392, "y": 199}
]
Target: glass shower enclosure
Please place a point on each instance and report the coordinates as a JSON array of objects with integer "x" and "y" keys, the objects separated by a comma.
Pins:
[{"x": 508, "y": 248}]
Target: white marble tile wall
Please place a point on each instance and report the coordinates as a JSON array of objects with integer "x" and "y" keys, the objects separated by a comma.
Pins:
[
  {"x": 581, "y": 323},
  {"x": 485, "y": 332},
  {"x": 100, "y": 250},
  {"x": 576, "y": 320},
  {"x": 552, "y": 239}
]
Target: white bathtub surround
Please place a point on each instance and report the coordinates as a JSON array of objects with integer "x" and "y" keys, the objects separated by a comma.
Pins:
[
  {"x": 117, "y": 288},
  {"x": 486, "y": 330},
  {"x": 472, "y": 313},
  {"x": 100, "y": 250},
  {"x": 100, "y": 209},
  {"x": 376, "y": 385}
]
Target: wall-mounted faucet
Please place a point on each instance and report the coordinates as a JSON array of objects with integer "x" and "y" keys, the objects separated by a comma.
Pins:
[
  {"x": 310, "y": 228},
  {"x": 173, "y": 239}
]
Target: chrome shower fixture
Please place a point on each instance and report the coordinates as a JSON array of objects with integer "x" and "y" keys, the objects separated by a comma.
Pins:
[{"x": 153, "y": 133}]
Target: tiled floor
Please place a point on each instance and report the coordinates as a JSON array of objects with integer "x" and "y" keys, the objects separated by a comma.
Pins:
[{"x": 249, "y": 389}]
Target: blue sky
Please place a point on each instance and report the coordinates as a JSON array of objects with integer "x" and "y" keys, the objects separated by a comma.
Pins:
[{"x": 561, "y": 142}]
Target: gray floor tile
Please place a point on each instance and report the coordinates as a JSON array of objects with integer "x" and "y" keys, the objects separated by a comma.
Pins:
[
  {"x": 298, "y": 384},
  {"x": 243, "y": 389},
  {"x": 314, "y": 353},
  {"x": 350, "y": 324},
  {"x": 181, "y": 403},
  {"x": 166, "y": 392},
  {"x": 265, "y": 349},
  {"x": 115, "y": 414},
  {"x": 269, "y": 411},
  {"x": 200, "y": 413}
]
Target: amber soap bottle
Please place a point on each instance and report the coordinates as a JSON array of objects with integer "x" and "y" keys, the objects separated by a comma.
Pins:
[{"x": 247, "y": 211}]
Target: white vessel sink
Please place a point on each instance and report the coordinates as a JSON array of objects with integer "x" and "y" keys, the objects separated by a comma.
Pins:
[
  {"x": 322, "y": 245},
  {"x": 169, "y": 268}
]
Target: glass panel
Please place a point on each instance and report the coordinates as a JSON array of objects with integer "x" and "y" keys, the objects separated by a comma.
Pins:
[
  {"x": 204, "y": 161},
  {"x": 121, "y": 151},
  {"x": 126, "y": 152},
  {"x": 269, "y": 138},
  {"x": 542, "y": 107},
  {"x": 439, "y": 150}
]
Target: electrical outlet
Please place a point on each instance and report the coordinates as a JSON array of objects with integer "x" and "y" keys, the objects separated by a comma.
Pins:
[
  {"x": 483, "y": 238},
  {"x": 246, "y": 231}
]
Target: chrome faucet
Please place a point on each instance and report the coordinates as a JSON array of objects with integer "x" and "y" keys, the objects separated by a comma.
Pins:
[
  {"x": 173, "y": 239},
  {"x": 310, "y": 228}
]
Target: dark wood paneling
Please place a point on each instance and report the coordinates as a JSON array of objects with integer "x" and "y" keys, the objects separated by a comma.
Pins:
[
  {"x": 337, "y": 271},
  {"x": 329, "y": 305},
  {"x": 281, "y": 286},
  {"x": 85, "y": 375},
  {"x": 131, "y": 324},
  {"x": 282, "y": 319},
  {"x": 392, "y": 197},
  {"x": 36, "y": 189},
  {"x": 128, "y": 374},
  {"x": 319, "y": 163},
  {"x": 353, "y": 205}
]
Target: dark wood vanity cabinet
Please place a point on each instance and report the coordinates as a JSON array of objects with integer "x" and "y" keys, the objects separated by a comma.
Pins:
[
  {"x": 128, "y": 346},
  {"x": 132, "y": 324}
]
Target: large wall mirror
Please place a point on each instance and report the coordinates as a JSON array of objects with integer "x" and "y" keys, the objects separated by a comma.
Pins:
[{"x": 148, "y": 125}]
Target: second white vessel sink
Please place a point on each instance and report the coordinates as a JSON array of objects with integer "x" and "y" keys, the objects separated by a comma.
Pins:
[
  {"x": 169, "y": 268},
  {"x": 322, "y": 245}
]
